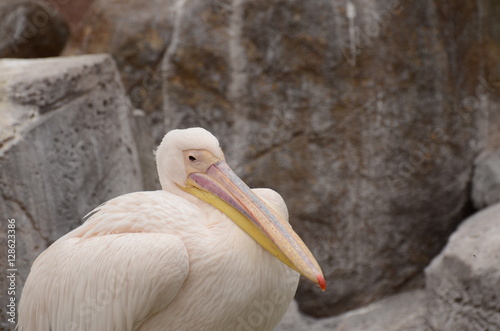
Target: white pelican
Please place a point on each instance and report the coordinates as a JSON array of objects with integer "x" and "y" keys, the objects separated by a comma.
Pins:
[{"x": 196, "y": 255}]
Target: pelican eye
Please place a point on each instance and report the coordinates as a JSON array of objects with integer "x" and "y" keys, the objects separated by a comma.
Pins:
[{"x": 192, "y": 158}]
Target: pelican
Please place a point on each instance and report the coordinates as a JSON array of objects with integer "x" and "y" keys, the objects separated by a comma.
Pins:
[{"x": 204, "y": 253}]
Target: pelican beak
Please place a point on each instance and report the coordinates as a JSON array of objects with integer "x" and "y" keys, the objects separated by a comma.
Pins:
[{"x": 223, "y": 189}]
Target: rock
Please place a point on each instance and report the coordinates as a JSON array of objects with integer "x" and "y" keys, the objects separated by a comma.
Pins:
[
  {"x": 402, "y": 312},
  {"x": 365, "y": 115},
  {"x": 486, "y": 181},
  {"x": 30, "y": 29},
  {"x": 141, "y": 129},
  {"x": 72, "y": 11},
  {"x": 65, "y": 147},
  {"x": 294, "y": 320},
  {"x": 136, "y": 33},
  {"x": 462, "y": 281}
]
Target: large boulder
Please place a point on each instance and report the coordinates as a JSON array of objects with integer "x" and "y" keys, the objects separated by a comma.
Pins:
[
  {"x": 365, "y": 115},
  {"x": 462, "y": 282},
  {"x": 65, "y": 147},
  {"x": 30, "y": 29}
]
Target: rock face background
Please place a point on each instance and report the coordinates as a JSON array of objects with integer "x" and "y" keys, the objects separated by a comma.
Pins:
[
  {"x": 378, "y": 121},
  {"x": 374, "y": 129}
]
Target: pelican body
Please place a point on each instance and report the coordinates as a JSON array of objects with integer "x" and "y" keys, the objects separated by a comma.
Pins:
[{"x": 204, "y": 253}]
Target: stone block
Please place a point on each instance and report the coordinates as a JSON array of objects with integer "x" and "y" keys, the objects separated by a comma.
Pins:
[{"x": 66, "y": 146}]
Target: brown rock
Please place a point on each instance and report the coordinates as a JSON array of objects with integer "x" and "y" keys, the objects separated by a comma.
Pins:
[
  {"x": 72, "y": 11},
  {"x": 365, "y": 116},
  {"x": 30, "y": 29}
]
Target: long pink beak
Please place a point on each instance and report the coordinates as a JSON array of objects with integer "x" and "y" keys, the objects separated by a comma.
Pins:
[{"x": 256, "y": 218}]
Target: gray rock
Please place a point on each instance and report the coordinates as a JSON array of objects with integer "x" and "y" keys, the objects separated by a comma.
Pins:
[
  {"x": 486, "y": 181},
  {"x": 65, "y": 147},
  {"x": 30, "y": 29},
  {"x": 141, "y": 128},
  {"x": 462, "y": 281},
  {"x": 365, "y": 115},
  {"x": 295, "y": 321},
  {"x": 402, "y": 312}
]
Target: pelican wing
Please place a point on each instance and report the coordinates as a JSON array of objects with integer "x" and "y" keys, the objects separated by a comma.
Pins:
[{"x": 109, "y": 282}]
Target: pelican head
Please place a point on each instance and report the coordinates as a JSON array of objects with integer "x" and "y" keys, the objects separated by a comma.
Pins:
[{"x": 192, "y": 160}]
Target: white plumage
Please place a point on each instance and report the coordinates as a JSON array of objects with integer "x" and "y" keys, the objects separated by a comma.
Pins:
[{"x": 162, "y": 260}]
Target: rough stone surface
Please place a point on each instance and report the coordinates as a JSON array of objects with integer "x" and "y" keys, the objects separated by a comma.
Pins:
[
  {"x": 486, "y": 180},
  {"x": 402, "y": 312},
  {"x": 462, "y": 281},
  {"x": 141, "y": 129},
  {"x": 65, "y": 147},
  {"x": 136, "y": 33},
  {"x": 30, "y": 29},
  {"x": 365, "y": 115}
]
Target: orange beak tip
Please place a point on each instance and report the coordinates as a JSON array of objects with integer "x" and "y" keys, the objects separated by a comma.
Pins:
[{"x": 321, "y": 282}]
